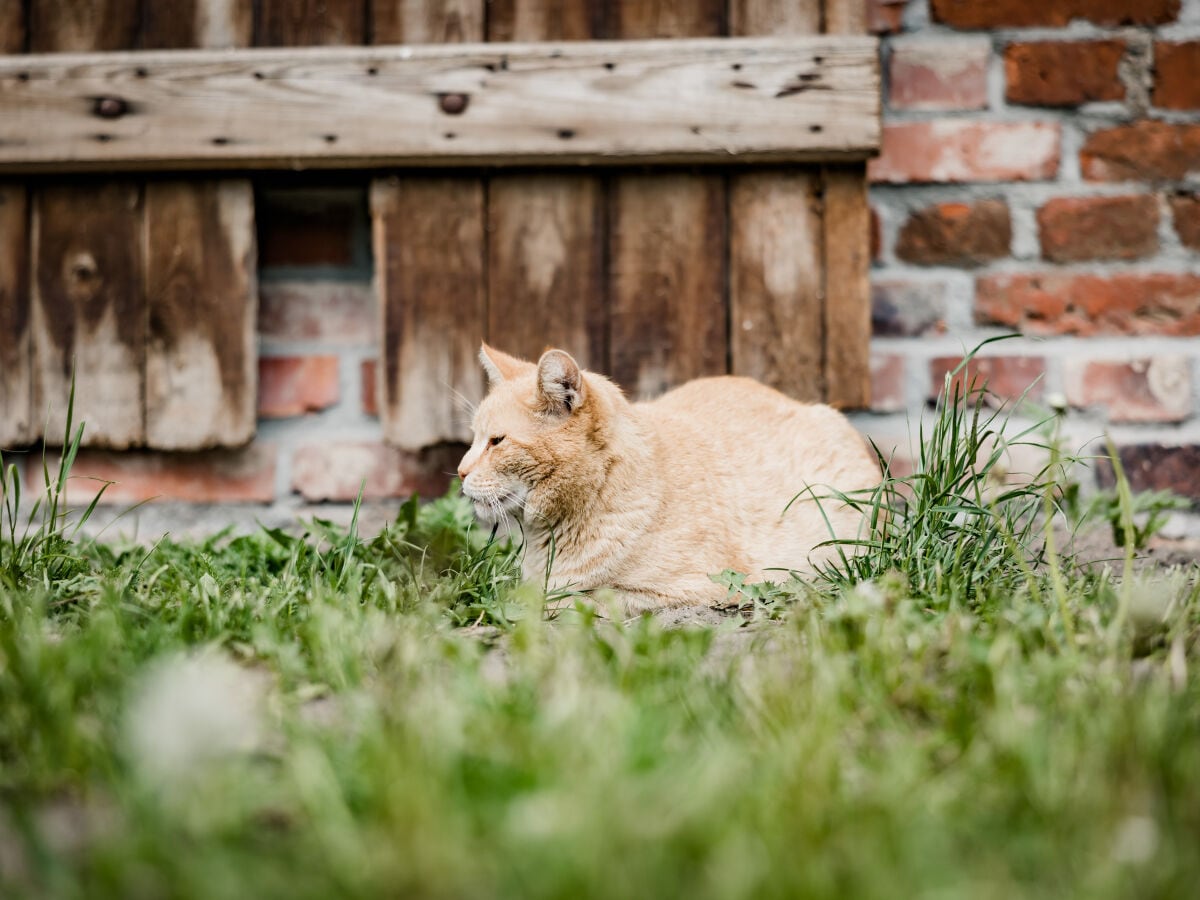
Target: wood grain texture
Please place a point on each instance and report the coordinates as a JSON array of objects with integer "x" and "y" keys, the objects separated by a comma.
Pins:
[
  {"x": 13, "y": 32},
  {"x": 90, "y": 309},
  {"x": 429, "y": 258},
  {"x": 19, "y": 422},
  {"x": 201, "y": 366},
  {"x": 303, "y": 23},
  {"x": 800, "y": 98},
  {"x": 536, "y": 20},
  {"x": 845, "y": 16},
  {"x": 179, "y": 24},
  {"x": 667, "y": 18},
  {"x": 667, "y": 281},
  {"x": 847, "y": 287},
  {"x": 777, "y": 328},
  {"x": 775, "y": 16},
  {"x": 427, "y": 21},
  {"x": 71, "y": 26}
]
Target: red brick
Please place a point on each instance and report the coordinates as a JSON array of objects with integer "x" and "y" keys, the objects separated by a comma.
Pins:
[
  {"x": 370, "y": 388},
  {"x": 1006, "y": 377},
  {"x": 1155, "y": 467},
  {"x": 1185, "y": 209},
  {"x": 939, "y": 75},
  {"x": 901, "y": 308},
  {"x": 246, "y": 475},
  {"x": 956, "y": 234},
  {"x": 1054, "y": 13},
  {"x": 887, "y": 382},
  {"x": 334, "y": 470},
  {"x": 1143, "y": 390},
  {"x": 1177, "y": 75},
  {"x": 337, "y": 312},
  {"x": 294, "y": 385},
  {"x": 310, "y": 227},
  {"x": 1057, "y": 73},
  {"x": 1144, "y": 151},
  {"x": 1081, "y": 228},
  {"x": 1060, "y": 303},
  {"x": 885, "y": 16},
  {"x": 954, "y": 150}
]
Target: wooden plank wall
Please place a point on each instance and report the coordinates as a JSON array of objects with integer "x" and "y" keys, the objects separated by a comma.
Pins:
[{"x": 144, "y": 289}]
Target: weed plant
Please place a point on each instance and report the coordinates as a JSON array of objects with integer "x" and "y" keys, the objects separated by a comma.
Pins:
[{"x": 958, "y": 711}]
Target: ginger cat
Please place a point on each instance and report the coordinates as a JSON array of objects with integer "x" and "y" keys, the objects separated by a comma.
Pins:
[{"x": 649, "y": 499}]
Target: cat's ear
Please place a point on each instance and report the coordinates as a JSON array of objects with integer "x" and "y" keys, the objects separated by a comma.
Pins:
[
  {"x": 560, "y": 383},
  {"x": 500, "y": 366}
]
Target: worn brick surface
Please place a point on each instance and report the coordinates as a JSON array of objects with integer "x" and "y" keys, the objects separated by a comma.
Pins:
[
  {"x": 955, "y": 150},
  {"x": 902, "y": 308},
  {"x": 1145, "y": 150},
  {"x": 1060, "y": 73},
  {"x": 887, "y": 382},
  {"x": 1185, "y": 210},
  {"x": 332, "y": 311},
  {"x": 1007, "y": 377},
  {"x": 294, "y": 385},
  {"x": 1062, "y": 303},
  {"x": 956, "y": 234},
  {"x": 939, "y": 75},
  {"x": 1072, "y": 229},
  {"x": 245, "y": 475},
  {"x": 1157, "y": 389},
  {"x": 1177, "y": 74},
  {"x": 1158, "y": 467},
  {"x": 1052, "y": 13},
  {"x": 334, "y": 470}
]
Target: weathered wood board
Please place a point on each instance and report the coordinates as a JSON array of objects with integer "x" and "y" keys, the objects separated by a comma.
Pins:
[
  {"x": 429, "y": 259},
  {"x": 201, "y": 365},
  {"x": 180, "y": 24},
  {"x": 427, "y": 21},
  {"x": 668, "y": 308},
  {"x": 18, "y": 408},
  {"x": 301, "y": 23},
  {"x": 89, "y": 313},
  {"x": 70, "y": 26},
  {"x": 734, "y": 100},
  {"x": 546, "y": 284}
]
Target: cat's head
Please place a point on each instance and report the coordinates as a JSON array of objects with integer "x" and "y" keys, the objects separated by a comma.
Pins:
[{"x": 535, "y": 434}]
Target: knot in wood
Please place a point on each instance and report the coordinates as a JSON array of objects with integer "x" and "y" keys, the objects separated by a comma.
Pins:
[
  {"x": 110, "y": 107},
  {"x": 453, "y": 104}
]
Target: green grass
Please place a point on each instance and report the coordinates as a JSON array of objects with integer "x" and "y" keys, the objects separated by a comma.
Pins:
[{"x": 325, "y": 714}]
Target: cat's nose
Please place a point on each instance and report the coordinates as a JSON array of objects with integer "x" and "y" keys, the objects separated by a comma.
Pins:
[{"x": 463, "y": 472}]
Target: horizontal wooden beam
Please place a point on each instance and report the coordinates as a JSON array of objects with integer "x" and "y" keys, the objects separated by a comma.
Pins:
[{"x": 685, "y": 101}]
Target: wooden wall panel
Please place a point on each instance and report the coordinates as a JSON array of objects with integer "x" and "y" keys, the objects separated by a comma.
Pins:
[
  {"x": 18, "y": 409},
  {"x": 201, "y": 366},
  {"x": 90, "y": 308},
  {"x": 426, "y": 21},
  {"x": 667, "y": 242},
  {"x": 12, "y": 26},
  {"x": 667, "y": 281},
  {"x": 429, "y": 265},
  {"x": 302, "y": 23},
  {"x": 847, "y": 256},
  {"x": 68, "y": 26},
  {"x": 180, "y": 24},
  {"x": 546, "y": 284}
]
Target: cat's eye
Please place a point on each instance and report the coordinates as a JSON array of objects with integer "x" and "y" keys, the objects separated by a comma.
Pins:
[{"x": 497, "y": 439}]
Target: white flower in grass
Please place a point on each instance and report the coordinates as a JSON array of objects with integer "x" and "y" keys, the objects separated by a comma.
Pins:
[{"x": 193, "y": 708}]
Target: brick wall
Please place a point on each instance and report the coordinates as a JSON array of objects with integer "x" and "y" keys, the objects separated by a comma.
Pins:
[{"x": 1040, "y": 173}]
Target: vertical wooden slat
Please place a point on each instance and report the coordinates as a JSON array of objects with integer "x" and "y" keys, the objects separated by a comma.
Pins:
[
  {"x": 200, "y": 274},
  {"x": 12, "y": 26},
  {"x": 428, "y": 235},
  {"x": 776, "y": 288},
  {"x": 19, "y": 423},
  {"x": 426, "y": 21},
  {"x": 302, "y": 23},
  {"x": 430, "y": 264},
  {"x": 180, "y": 24},
  {"x": 667, "y": 243},
  {"x": 90, "y": 308},
  {"x": 69, "y": 26},
  {"x": 847, "y": 257},
  {"x": 546, "y": 231}
]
